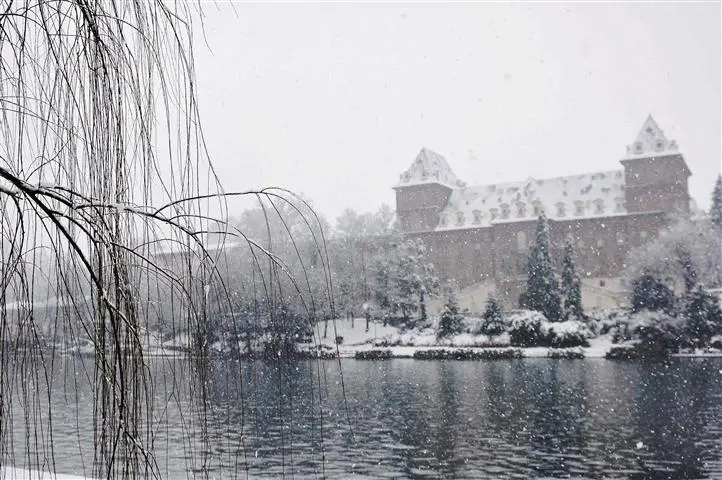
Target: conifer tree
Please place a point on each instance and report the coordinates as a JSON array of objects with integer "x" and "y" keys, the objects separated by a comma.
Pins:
[
  {"x": 542, "y": 292},
  {"x": 493, "y": 320},
  {"x": 451, "y": 320},
  {"x": 715, "y": 211},
  {"x": 571, "y": 284},
  {"x": 704, "y": 316}
]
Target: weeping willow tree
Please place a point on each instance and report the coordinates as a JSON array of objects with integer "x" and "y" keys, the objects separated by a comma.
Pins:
[{"x": 103, "y": 166}]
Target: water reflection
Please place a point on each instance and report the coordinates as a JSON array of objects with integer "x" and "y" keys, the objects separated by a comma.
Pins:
[{"x": 417, "y": 419}]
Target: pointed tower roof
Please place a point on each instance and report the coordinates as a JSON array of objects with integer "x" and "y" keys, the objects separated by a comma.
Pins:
[
  {"x": 429, "y": 167},
  {"x": 651, "y": 141}
]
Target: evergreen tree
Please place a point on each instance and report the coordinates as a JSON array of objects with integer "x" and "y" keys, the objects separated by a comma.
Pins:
[
  {"x": 651, "y": 293},
  {"x": 704, "y": 316},
  {"x": 451, "y": 320},
  {"x": 542, "y": 291},
  {"x": 405, "y": 280},
  {"x": 493, "y": 320},
  {"x": 571, "y": 284},
  {"x": 715, "y": 211}
]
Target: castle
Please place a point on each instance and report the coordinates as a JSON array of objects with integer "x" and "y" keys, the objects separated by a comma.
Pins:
[{"x": 479, "y": 236}]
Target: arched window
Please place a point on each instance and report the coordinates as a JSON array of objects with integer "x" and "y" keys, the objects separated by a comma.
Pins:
[{"x": 521, "y": 209}]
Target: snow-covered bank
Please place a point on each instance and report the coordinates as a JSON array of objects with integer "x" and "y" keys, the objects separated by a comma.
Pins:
[
  {"x": 13, "y": 473},
  {"x": 354, "y": 337}
]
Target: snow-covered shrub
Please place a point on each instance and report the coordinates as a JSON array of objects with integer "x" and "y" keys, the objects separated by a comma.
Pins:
[
  {"x": 656, "y": 333},
  {"x": 493, "y": 323},
  {"x": 525, "y": 328},
  {"x": 568, "y": 354},
  {"x": 571, "y": 333},
  {"x": 604, "y": 322},
  {"x": 451, "y": 320}
]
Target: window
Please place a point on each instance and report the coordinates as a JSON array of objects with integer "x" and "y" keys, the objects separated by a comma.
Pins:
[
  {"x": 619, "y": 204},
  {"x": 620, "y": 238},
  {"x": 538, "y": 208},
  {"x": 477, "y": 216},
  {"x": 560, "y": 209},
  {"x": 494, "y": 212},
  {"x": 521, "y": 209},
  {"x": 442, "y": 220},
  {"x": 600, "y": 243},
  {"x": 521, "y": 241},
  {"x": 599, "y": 206},
  {"x": 643, "y": 234},
  {"x": 602, "y": 283},
  {"x": 504, "y": 210},
  {"x": 459, "y": 218},
  {"x": 579, "y": 207},
  {"x": 522, "y": 264},
  {"x": 638, "y": 147}
]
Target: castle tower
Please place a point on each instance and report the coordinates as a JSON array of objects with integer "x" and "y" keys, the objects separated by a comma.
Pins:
[
  {"x": 655, "y": 173},
  {"x": 423, "y": 191}
]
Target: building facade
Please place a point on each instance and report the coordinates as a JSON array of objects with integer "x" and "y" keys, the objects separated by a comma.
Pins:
[{"x": 479, "y": 236}]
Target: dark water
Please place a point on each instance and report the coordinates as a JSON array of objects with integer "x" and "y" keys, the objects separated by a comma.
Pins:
[{"x": 422, "y": 419}]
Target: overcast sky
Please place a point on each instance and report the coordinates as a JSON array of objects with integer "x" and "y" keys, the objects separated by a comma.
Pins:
[{"x": 335, "y": 100}]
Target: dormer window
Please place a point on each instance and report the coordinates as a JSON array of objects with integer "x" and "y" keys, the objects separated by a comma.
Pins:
[
  {"x": 619, "y": 204},
  {"x": 638, "y": 148},
  {"x": 459, "y": 218},
  {"x": 521, "y": 210},
  {"x": 659, "y": 145},
  {"x": 494, "y": 212},
  {"x": 424, "y": 175},
  {"x": 504, "y": 211},
  {"x": 579, "y": 207},
  {"x": 560, "y": 209},
  {"x": 598, "y": 207},
  {"x": 477, "y": 216},
  {"x": 442, "y": 220},
  {"x": 538, "y": 208}
]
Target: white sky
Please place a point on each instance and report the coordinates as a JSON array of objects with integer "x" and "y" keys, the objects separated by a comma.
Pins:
[{"x": 335, "y": 100}]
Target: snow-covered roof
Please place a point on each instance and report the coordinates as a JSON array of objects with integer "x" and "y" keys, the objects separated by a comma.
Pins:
[
  {"x": 651, "y": 141},
  {"x": 429, "y": 167},
  {"x": 599, "y": 194}
]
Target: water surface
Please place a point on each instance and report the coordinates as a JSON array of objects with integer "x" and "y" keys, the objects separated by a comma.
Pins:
[{"x": 419, "y": 419}]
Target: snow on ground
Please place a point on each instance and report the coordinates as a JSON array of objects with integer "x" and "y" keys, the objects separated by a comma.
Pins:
[
  {"x": 13, "y": 473},
  {"x": 404, "y": 343}
]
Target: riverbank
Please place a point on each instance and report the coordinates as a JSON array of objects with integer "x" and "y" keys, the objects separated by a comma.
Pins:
[{"x": 356, "y": 341}]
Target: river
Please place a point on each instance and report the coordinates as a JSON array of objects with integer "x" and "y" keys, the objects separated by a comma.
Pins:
[{"x": 403, "y": 418}]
